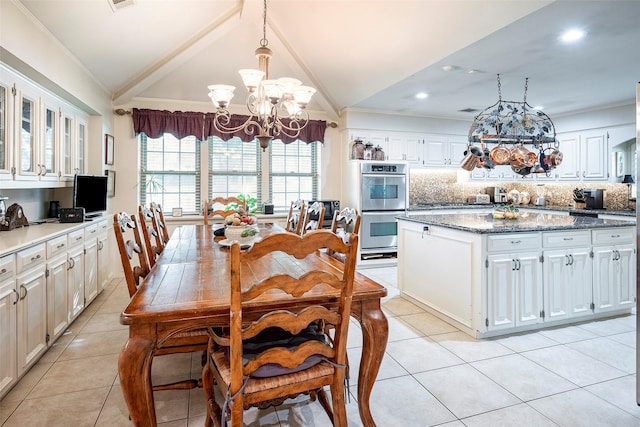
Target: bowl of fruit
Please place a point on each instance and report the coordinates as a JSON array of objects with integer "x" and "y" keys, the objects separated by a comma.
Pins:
[
  {"x": 241, "y": 227},
  {"x": 505, "y": 212}
]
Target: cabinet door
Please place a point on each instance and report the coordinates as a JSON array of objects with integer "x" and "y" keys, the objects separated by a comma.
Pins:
[
  {"x": 625, "y": 276},
  {"x": 580, "y": 281},
  {"x": 528, "y": 279},
  {"x": 6, "y": 129},
  {"x": 25, "y": 137},
  {"x": 457, "y": 147},
  {"x": 604, "y": 277},
  {"x": 32, "y": 317},
  {"x": 48, "y": 159},
  {"x": 501, "y": 292},
  {"x": 395, "y": 147},
  {"x": 91, "y": 270},
  {"x": 413, "y": 149},
  {"x": 104, "y": 272},
  {"x": 569, "y": 169},
  {"x": 557, "y": 289},
  {"x": 75, "y": 282},
  {"x": 593, "y": 157},
  {"x": 8, "y": 352},
  {"x": 67, "y": 163},
  {"x": 57, "y": 300},
  {"x": 81, "y": 138},
  {"x": 436, "y": 151}
]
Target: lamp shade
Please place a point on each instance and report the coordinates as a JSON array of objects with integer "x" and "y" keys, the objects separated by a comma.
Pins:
[{"x": 628, "y": 179}]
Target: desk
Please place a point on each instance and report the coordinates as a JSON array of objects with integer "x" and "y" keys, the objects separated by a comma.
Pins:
[{"x": 188, "y": 289}]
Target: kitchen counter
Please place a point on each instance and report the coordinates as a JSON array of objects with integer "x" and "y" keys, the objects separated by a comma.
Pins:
[
  {"x": 527, "y": 221},
  {"x": 446, "y": 206},
  {"x": 493, "y": 277}
]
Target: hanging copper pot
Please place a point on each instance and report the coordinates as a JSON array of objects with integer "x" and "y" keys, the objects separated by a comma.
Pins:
[{"x": 499, "y": 155}]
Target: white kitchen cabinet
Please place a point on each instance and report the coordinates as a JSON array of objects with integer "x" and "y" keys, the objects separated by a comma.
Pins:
[
  {"x": 8, "y": 317},
  {"x": 6, "y": 113},
  {"x": 75, "y": 273},
  {"x": 31, "y": 286},
  {"x": 57, "y": 299},
  {"x": 90, "y": 263},
  {"x": 26, "y": 125},
  {"x": 568, "y": 283},
  {"x": 585, "y": 156},
  {"x": 614, "y": 269},
  {"x": 404, "y": 148},
  {"x": 105, "y": 273},
  {"x": 443, "y": 151},
  {"x": 514, "y": 290}
]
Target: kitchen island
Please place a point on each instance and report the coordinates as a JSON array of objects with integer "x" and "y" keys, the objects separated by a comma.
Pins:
[{"x": 493, "y": 277}]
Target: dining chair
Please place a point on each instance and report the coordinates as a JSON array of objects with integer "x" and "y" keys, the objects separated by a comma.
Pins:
[
  {"x": 152, "y": 241},
  {"x": 159, "y": 224},
  {"x": 344, "y": 223},
  {"x": 296, "y": 211},
  {"x": 218, "y": 207},
  {"x": 312, "y": 217},
  {"x": 136, "y": 268},
  {"x": 283, "y": 353}
]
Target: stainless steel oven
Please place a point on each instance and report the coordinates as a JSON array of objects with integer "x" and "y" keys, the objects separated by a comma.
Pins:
[
  {"x": 379, "y": 231},
  {"x": 383, "y": 186}
]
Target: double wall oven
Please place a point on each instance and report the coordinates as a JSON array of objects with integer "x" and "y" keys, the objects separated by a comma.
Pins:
[{"x": 383, "y": 196}]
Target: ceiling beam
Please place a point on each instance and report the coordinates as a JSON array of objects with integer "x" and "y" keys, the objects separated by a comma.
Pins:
[{"x": 174, "y": 59}]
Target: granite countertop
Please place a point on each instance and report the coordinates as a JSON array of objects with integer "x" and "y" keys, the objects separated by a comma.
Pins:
[
  {"x": 483, "y": 223},
  {"x": 445, "y": 206}
]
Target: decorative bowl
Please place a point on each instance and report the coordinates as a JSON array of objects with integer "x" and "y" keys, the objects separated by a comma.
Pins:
[{"x": 244, "y": 234}]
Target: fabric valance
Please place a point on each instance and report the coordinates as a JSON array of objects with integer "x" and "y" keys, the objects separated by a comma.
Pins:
[{"x": 154, "y": 123}]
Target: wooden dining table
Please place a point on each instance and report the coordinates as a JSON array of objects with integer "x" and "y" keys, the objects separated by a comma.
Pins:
[{"x": 188, "y": 290}]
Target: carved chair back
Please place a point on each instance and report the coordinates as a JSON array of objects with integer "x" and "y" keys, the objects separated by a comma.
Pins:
[
  {"x": 218, "y": 208},
  {"x": 132, "y": 250},
  {"x": 312, "y": 218}
]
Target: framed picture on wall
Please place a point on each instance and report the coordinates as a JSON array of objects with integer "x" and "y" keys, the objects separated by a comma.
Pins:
[
  {"x": 111, "y": 183},
  {"x": 108, "y": 144}
]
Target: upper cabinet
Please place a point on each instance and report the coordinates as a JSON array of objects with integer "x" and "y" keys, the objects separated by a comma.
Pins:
[
  {"x": 585, "y": 156},
  {"x": 42, "y": 138},
  {"x": 397, "y": 146},
  {"x": 444, "y": 151}
]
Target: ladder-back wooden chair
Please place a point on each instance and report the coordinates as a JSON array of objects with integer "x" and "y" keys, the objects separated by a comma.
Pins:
[
  {"x": 344, "y": 223},
  {"x": 294, "y": 218},
  {"x": 313, "y": 217},
  {"x": 136, "y": 267},
  {"x": 217, "y": 208},
  {"x": 152, "y": 241},
  {"x": 159, "y": 224},
  {"x": 251, "y": 369}
]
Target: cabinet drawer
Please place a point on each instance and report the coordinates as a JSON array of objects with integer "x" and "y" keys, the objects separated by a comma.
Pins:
[
  {"x": 103, "y": 226},
  {"x": 56, "y": 246},
  {"x": 509, "y": 242},
  {"x": 566, "y": 239},
  {"x": 76, "y": 237},
  {"x": 613, "y": 236},
  {"x": 30, "y": 257},
  {"x": 7, "y": 267},
  {"x": 91, "y": 232}
]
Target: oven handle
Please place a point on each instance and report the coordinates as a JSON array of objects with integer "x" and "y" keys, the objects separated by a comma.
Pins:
[
  {"x": 384, "y": 175},
  {"x": 395, "y": 212}
]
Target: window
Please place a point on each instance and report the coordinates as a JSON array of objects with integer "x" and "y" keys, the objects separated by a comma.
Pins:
[
  {"x": 170, "y": 172},
  {"x": 234, "y": 168},
  {"x": 294, "y": 172}
]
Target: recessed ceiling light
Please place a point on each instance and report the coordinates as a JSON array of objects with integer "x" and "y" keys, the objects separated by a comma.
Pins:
[
  {"x": 538, "y": 107},
  {"x": 572, "y": 35},
  {"x": 421, "y": 95},
  {"x": 448, "y": 67}
]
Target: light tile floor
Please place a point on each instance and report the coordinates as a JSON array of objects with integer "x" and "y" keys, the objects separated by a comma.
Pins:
[{"x": 432, "y": 374}]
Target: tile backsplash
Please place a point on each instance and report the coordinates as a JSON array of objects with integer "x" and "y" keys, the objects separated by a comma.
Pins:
[{"x": 453, "y": 186}]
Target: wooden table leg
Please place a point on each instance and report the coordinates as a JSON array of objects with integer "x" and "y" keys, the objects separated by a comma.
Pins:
[
  {"x": 134, "y": 369},
  {"x": 375, "y": 332}
]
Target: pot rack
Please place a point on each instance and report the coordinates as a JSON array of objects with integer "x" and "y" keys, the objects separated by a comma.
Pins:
[{"x": 513, "y": 122}]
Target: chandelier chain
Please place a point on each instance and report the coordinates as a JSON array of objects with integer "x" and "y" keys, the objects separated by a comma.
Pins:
[
  {"x": 264, "y": 42},
  {"x": 526, "y": 87},
  {"x": 499, "y": 89}
]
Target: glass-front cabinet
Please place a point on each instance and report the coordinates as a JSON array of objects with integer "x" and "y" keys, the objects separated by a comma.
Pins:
[{"x": 42, "y": 138}]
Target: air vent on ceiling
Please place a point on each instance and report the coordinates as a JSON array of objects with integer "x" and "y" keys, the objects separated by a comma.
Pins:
[
  {"x": 119, "y": 4},
  {"x": 469, "y": 110}
]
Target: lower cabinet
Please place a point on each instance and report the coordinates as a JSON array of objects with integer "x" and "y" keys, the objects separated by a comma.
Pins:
[
  {"x": 8, "y": 317},
  {"x": 90, "y": 270},
  {"x": 31, "y": 316},
  {"x": 75, "y": 281},
  {"x": 514, "y": 289},
  {"x": 568, "y": 283},
  {"x": 57, "y": 300},
  {"x": 614, "y": 268}
]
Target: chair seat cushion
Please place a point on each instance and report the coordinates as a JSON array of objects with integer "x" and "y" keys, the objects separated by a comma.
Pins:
[{"x": 276, "y": 337}]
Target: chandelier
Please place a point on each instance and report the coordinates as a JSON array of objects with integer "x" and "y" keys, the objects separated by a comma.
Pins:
[{"x": 275, "y": 106}]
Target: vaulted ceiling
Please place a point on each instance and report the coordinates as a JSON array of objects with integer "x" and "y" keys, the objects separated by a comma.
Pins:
[{"x": 371, "y": 55}]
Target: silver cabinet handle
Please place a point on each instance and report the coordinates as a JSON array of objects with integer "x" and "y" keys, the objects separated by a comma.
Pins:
[
  {"x": 26, "y": 291},
  {"x": 61, "y": 245},
  {"x": 516, "y": 242},
  {"x": 567, "y": 260},
  {"x": 513, "y": 265},
  {"x": 35, "y": 258},
  {"x": 17, "y": 296},
  {"x": 4, "y": 270},
  {"x": 568, "y": 238},
  {"x": 571, "y": 257},
  {"x": 615, "y": 236}
]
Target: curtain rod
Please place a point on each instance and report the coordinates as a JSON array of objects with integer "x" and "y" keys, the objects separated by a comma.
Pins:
[{"x": 123, "y": 112}]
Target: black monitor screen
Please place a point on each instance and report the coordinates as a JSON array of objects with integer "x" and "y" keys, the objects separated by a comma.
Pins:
[{"x": 90, "y": 193}]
